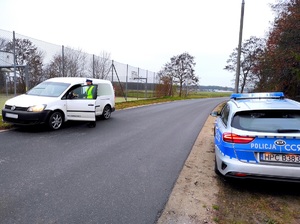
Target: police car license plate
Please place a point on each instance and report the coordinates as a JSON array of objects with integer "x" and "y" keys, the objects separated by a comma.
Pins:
[
  {"x": 15, "y": 116},
  {"x": 276, "y": 157}
]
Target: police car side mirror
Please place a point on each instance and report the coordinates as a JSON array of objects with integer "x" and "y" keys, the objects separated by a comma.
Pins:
[{"x": 215, "y": 114}]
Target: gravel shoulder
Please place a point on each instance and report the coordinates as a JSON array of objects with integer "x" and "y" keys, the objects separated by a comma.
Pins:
[
  {"x": 194, "y": 195},
  {"x": 200, "y": 196}
]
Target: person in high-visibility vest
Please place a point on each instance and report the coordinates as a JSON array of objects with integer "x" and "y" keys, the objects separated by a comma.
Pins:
[
  {"x": 90, "y": 95},
  {"x": 89, "y": 92}
]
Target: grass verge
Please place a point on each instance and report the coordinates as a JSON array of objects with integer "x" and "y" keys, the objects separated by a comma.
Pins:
[
  {"x": 131, "y": 102},
  {"x": 243, "y": 202}
]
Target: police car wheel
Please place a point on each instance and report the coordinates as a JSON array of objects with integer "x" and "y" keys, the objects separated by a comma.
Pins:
[
  {"x": 55, "y": 120},
  {"x": 106, "y": 112}
]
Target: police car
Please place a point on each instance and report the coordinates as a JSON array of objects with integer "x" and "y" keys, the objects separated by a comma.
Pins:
[{"x": 257, "y": 135}]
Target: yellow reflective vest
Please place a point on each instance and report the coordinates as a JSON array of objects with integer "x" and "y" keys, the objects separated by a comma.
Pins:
[{"x": 89, "y": 92}]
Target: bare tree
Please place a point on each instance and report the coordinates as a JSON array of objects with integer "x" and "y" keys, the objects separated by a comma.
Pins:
[
  {"x": 181, "y": 69},
  {"x": 3, "y": 43},
  {"x": 75, "y": 63},
  {"x": 251, "y": 52},
  {"x": 165, "y": 87},
  {"x": 100, "y": 65},
  {"x": 27, "y": 54},
  {"x": 55, "y": 67}
]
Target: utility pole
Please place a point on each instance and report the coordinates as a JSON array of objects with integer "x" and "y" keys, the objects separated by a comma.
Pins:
[
  {"x": 15, "y": 61},
  {"x": 238, "y": 66}
]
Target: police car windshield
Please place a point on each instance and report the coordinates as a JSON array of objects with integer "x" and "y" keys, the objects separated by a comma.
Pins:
[
  {"x": 50, "y": 89},
  {"x": 276, "y": 121}
]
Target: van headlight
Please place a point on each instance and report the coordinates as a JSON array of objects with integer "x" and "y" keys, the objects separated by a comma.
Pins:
[{"x": 37, "y": 108}]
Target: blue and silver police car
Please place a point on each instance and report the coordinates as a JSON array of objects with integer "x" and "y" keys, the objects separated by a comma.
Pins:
[{"x": 257, "y": 135}]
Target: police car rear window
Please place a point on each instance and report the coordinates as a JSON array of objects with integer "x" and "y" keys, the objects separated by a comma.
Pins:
[{"x": 276, "y": 121}]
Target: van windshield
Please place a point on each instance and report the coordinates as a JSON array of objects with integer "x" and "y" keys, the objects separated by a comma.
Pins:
[{"x": 50, "y": 89}]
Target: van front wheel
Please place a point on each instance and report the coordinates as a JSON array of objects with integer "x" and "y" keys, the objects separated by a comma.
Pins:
[
  {"x": 106, "y": 112},
  {"x": 55, "y": 120}
]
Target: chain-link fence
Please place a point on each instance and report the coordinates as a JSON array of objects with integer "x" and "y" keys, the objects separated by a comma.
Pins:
[{"x": 25, "y": 62}]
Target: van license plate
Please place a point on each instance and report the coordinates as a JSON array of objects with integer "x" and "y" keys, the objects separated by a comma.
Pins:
[
  {"x": 276, "y": 157},
  {"x": 15, "y": 116}
]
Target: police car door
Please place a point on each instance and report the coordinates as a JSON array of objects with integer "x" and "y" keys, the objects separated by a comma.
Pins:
[{"x": 79, "y": 107}]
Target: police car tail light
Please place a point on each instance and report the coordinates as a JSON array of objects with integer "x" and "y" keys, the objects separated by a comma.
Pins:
[{"x": 234, "y": 138}]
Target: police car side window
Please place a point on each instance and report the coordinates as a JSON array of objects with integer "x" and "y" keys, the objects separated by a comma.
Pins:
[{"x": 225, "y": 114}]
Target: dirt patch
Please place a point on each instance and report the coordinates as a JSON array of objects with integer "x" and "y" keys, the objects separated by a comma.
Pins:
[{"x": 194, "y": 196}]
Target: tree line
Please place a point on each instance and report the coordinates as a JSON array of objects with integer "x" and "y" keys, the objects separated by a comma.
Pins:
[
  {"x": 68, "y": 63},
  {"x": 267, "y": 64},
  {"x": 272, "y": 63},
  {"x": 74, "y": 63}
]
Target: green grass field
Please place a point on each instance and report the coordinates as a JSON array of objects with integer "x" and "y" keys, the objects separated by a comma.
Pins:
[
  {"x": 121, "y": 103},
  {"x": 3, "y": 98}
]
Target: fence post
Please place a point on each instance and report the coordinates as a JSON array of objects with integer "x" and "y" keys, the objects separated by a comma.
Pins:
[
  {"x": 146, "y": 84},
  {"x": 27, "y": 78},
  {"x": 15, "y": 60},
  {"x": 112, "y": 71},
  {"x": 6, "y": 87},
  {"x": 137, "y": 85},
  {"x": 126, "y": 84},
  {"x": 93, "y": 66},
  {"x": 63, "y": 60},
  {"x": 154, "y": 85}
]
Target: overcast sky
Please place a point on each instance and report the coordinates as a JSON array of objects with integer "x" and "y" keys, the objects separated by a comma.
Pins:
[{"x": 144, "y": 34}]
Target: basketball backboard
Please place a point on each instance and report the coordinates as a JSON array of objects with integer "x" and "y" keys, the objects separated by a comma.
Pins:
[
  {"x": 6, "y": 59},
  {"x": 134, "y": 75}
]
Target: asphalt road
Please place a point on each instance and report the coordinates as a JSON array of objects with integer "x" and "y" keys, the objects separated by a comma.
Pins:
[{"x": 122, "y": 171}]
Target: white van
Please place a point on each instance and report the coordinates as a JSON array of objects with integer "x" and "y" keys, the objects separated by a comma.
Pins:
[{"x": 58, "y": 100}]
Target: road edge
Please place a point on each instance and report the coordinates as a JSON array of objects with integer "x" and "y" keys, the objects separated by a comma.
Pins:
[{"x": 194, "y": 195}]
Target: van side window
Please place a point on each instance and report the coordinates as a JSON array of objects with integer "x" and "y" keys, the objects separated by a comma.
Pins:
[
  {"x": 82, "y": 92},
  {"x": 104, "y": 89},
  {"x": 73, "y": 92}
]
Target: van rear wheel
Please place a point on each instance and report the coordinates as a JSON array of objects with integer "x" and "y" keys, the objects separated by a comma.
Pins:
[
  {"x": 55, "y": 120},
  {"x": 106, "y": 112}
]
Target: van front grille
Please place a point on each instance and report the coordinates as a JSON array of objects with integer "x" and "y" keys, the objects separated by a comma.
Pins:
[{"x": 14, "y": 108}]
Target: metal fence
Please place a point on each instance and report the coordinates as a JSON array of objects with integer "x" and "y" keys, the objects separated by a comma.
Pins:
[{"x": 25, "y": 62}]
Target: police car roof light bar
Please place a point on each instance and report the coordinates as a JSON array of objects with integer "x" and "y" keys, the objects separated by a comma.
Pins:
[{"x": 266, "y": 95}]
